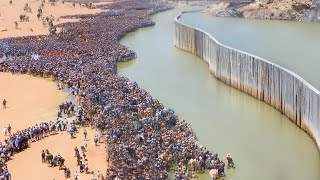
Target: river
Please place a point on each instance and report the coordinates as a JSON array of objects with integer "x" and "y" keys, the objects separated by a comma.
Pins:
[
  {"x": 292, "y": 45},
  {"x": 265, "y": 144}
]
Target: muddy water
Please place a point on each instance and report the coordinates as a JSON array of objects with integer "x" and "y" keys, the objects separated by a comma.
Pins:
[
  {"x": 264, "y": 143},
  {"x": 293, "y": 45}
]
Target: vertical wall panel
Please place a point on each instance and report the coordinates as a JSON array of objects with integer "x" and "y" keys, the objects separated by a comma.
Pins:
[{"x": 266, "y": 81}]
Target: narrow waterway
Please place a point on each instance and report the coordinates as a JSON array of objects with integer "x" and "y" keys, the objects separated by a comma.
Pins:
[
  {"x": 264, "y": 143},
  {"x": 293, "y": 45}
]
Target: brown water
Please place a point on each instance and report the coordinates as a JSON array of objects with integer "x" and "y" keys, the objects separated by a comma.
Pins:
[
  {"x": 293, "y": 45},
  {"x": 264, "y": 143}
]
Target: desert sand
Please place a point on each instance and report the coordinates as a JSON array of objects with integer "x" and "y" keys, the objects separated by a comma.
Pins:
[
  {"x": 28, "y": 165},
  {"x": 32, "y": 100},
  {"x": 10, "y": 14}
]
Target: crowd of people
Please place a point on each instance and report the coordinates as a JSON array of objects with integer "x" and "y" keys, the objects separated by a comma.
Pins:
[
  {"x": 144, "y": 140},
  {"x": 19, "y": 141}
]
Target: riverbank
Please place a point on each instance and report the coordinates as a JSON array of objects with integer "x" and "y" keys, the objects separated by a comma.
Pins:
[
  {"x": 142, "y": 135},
  {"x": 301, "y": 10}
]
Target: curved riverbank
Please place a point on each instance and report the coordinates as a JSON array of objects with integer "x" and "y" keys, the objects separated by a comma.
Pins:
[
  {"x": 262, "y": 79},
  {"x": 224, "y": 119}
]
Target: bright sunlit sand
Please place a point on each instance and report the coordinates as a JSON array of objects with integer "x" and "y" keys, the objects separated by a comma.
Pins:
[
  {"x": 10, "y": 13},
  {"x": 32, "y": 100}
]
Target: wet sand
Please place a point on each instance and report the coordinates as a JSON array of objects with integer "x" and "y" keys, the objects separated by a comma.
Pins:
[
  {"x": 10, "y": 14},
  {"x": 32, "y": 100}
]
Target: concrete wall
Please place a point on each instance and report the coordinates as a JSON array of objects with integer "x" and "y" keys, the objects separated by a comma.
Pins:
[{"x": 262, "y": 79}]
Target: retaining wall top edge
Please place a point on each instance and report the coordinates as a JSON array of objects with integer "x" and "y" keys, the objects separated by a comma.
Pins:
[{"x": 176, "y": 19}]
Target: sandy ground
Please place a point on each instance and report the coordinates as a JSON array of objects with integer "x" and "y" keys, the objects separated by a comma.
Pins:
[
  {"x": 28, "y": 165},
  {"x": 10, "y": 14},
  {"x": 32, "y": 100}
]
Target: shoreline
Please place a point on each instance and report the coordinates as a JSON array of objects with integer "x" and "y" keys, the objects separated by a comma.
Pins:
[{"x": 142, "y": 135}]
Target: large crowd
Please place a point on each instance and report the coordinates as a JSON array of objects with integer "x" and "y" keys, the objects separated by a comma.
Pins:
[
  {"x": 144, "y": 139},
  {"x": 20, "y": 140}
]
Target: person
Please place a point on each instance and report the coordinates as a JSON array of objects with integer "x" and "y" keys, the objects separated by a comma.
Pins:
[
  {"x": 85, "y": 134},
  {"x": 85, "y": 143},
  {"x": 9, "y": 129},
  {"x": 65, "y": 172},
  {"x": 92, "y": 175},
  {"x": 78, "y": 160},
  {"x": 75, "y": 175},
  {"x": 81, "y": 167},
  {"x": 5, "y": 130},
  {"x": 68, "y": 173},
  {"x": 98, "y": 174},
  {"x": 59, "y": 113},
  {"x": 99, "y": 136},
  {"x": 86, "y": 168},
  {"x": 76, "y": 151},
  {"x": 4, "y": 103},
  {"x": 7, "y": 174},
  {"x": 43, "y": 156},
  {"x": 230, "y": 161},
  {"x": 96, "y": 140}
]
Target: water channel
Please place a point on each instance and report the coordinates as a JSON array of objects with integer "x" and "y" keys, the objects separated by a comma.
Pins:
[
  {"x": 264, "y": 143},
  {"x": 293, "y": 45}
]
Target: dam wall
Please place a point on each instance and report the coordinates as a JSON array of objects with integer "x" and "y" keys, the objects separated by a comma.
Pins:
[{"x": 277, "y": 86}]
